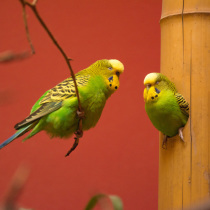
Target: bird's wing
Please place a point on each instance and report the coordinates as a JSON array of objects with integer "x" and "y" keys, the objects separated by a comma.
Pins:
[
  {"x": 65, "y": 89},
  {"x": 183, "y": 104},
  {"x": 52, "y": 101},
  {"x": 40, "y": 112}
]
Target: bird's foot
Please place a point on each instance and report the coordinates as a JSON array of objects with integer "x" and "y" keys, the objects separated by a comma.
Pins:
[
  {"x": 80, "y": 114},
  {"x": 164, "y": 146},
  {"x": 181, "y": 134},
  {"x": 78, "y": 134}
]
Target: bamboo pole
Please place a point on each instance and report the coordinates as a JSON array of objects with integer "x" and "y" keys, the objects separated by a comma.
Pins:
[{"x": 184, "y": 168}]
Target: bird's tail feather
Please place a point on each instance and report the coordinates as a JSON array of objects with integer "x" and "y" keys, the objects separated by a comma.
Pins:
[{"x": 16, "y": 135}]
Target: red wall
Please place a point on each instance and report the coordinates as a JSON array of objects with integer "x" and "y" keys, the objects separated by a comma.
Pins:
[{"x": 120, "y": 155}]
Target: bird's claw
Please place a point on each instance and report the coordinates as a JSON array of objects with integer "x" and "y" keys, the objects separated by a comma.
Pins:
[
  {"x": 164, "y": 146},
  {"x": 79, "y": 134},
  {"x": 81, "y": 114},
  {"x": 181, "y": 134}
]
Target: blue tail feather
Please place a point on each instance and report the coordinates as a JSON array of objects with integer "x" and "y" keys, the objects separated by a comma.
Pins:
[{"x": 13, "y": 137}]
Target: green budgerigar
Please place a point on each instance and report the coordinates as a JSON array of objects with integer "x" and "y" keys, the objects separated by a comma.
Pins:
[
  {"x": 167, "y": 109},
  {"x": 56, "y": 111}
]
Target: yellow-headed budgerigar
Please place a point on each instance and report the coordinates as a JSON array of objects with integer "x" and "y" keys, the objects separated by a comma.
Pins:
[
  {"x": 167, "y": 109},
  {"x": 56, "y": 111}
]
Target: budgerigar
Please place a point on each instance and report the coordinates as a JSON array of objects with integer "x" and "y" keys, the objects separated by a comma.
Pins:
[
  {"x": 56, "y": 111},
  {"x": 167, "y": 109}
]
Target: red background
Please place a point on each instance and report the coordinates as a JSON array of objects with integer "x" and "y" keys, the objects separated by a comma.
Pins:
[{"x": 120, "y": 155}]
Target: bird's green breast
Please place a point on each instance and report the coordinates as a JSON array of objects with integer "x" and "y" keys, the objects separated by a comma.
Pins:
[
  {"x": 166, "y": 114},
  {"x": 64, "y": 122},
  {"x": 93, "y": 99}
]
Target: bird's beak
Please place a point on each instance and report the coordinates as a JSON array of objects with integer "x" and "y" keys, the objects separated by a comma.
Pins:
[
  {"x": 113, "y": 82},
  {"x": 151, "y": 94}
]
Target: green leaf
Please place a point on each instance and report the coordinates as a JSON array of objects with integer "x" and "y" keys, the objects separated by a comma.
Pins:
[{"x": 115, "y": 201}]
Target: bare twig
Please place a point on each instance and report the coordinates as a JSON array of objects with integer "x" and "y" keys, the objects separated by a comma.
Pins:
[
  {"x": 76, "y": 142},
  {"x": 26, "y": 27},
  {"x": 78, "y": 133},
  {"x": 67, "y": 59}
]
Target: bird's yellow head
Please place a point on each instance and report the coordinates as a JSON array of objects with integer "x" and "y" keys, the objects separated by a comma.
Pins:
[
  {"x": 150, "y": 91},
  {"x": 110, "y": 70},
  {"x": 115, "y": 69},
  {"x": 155, "y": 84}
]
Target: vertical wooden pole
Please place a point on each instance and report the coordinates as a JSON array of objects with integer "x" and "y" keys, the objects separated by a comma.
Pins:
[{"x": 184, "y": 168}]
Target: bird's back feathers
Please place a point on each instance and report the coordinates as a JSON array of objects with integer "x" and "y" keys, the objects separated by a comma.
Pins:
[
  {"x": 65, "y": 89},
  {"x": 183, "y": 104}
]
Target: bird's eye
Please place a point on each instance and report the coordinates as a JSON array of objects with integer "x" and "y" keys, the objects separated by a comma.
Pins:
[
  {"x": 118, "y": 73},
  {"x": 110, "y": 68},
  {"x": 148, "y": 86}
]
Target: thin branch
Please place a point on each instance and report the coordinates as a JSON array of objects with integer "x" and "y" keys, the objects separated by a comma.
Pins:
[
  {"x": 26, "y": 27},
  {"x": 76, "y": 142},
  {"x": 33, "y": 7},
  {"x": 80, "y": 112},
  {"x": 78, "y": 133}
]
